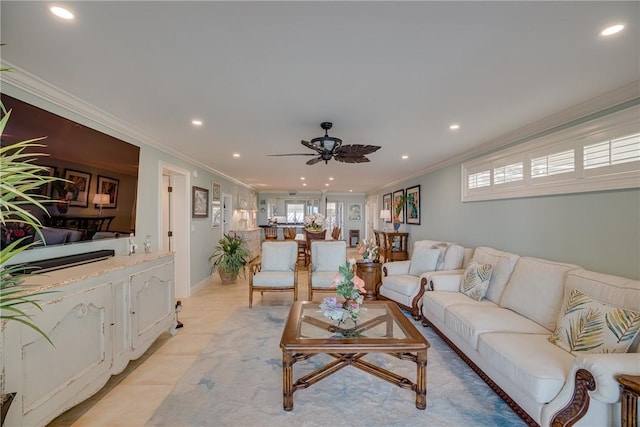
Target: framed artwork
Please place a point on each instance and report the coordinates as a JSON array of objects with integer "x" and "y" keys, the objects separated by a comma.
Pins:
[
  {"x": 46, "y": 190},
  {"x": 77, "y": 191},
  {"x": 354, "y": 212},
  {"x": 386, "y": 205},
  {"x": 108, "y": 186},
  {"x": 199, "y": 202},
  {"x": 216, "y": 211},
  {"x": 413, "y": 205},
  {"x": 397, "y": 198}
]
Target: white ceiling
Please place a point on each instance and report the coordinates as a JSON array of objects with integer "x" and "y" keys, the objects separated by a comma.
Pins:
[{"x": 263, "y": 75}]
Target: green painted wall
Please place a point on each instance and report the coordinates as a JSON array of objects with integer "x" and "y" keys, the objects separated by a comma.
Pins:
[{"x": 599, "y": 231}]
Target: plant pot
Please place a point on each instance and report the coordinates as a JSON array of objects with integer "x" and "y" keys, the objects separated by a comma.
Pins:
[{"x": 228, "y": 277}]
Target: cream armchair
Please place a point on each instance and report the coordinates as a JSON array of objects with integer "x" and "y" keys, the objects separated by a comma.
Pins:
[
  {"x": 326, "y": 257},
  {"x": 404, "y": 282},
  {"x": 276, "y": 270}
]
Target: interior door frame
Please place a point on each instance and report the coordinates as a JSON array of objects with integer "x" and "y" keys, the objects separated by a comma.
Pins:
[{"x": 180, "y": 223}]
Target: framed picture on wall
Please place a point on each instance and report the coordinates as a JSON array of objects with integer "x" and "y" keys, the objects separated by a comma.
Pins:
[
  {"x": 397, "y": 198},
  {"x": 386, "y": 205},
  {"x": 46, "y": 190},
  {"x": 108, "y": 186},
  {"x": 354, "y": 212},
  {"x": 216, "y": 212},
  {"x": 199, "y": 202},
  {"x": 413, "y": 205},
  {"x": 77, "y": 191}
]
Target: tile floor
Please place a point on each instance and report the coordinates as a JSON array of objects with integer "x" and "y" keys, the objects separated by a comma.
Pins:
[{"x": 129, "y": 399}]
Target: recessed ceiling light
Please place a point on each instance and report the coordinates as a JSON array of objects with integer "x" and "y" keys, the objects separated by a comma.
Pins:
[
  {"x": 330, "y": 178},
  {"x": 304, "y": 184},
  {"x": 236, "y": 155},
  {"x": 405, "y": 157},
  {"x": 609, "y": 31},
  {"x": 350, "y": 191},
  {"x": 327, "y": 184},
  {"x": 61, "y": 12},
  {"x": 196, "y": 122},
  {"x": 454, "y": 126},
  {"x": 302, "y": 178}
]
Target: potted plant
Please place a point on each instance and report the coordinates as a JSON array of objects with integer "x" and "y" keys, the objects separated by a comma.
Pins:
[
  {"x": 398, "y": 205},
  {"x": 229, "y": 258},
  {"x": 20, "y": 177}
]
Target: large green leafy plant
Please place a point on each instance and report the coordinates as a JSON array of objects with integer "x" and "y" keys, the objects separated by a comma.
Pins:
[
  {"x": 20, "y": 179},
  {"x": 231, "y": 255}
]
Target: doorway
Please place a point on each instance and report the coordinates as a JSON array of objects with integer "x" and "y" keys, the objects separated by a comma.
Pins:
[{"x": 173, "y": 220}]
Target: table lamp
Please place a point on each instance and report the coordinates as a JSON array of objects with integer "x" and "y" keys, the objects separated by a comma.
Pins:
[
  {"x": 385, "y": 216},
  {"x": 101, "y": 199}
]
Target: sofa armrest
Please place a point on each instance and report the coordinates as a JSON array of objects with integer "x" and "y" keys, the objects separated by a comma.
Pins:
[
  {"x": 396, "y": 267},
  {"x": 592, "y": 376},
  {"x": 445, "y": 282},
  {"x": 605, "y": 368}
]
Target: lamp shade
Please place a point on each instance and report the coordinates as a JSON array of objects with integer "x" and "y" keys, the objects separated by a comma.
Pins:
[
  {"x": 101, "y": 199},
  {"x": 385, "y": 214}
]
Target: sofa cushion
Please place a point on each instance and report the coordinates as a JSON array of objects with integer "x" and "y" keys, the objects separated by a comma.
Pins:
[
  {"x": 475, "y": 280},
  {"x": 435, "y": 303},
  {"x": 469, "y": 321},
  {"x": 453, "y": 258},
  {"x": 529, "y": 361},
  {"x": 279, "y": 256},
  {"x": 536, "y": 290},
  {"x": 423, "y": 260},
  {"x": 589, "y": 326},
  {"x": 442, "y": 249},
  {"x": 503, "y": 263}
]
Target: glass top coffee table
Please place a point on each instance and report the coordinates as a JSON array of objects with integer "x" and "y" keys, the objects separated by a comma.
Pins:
[{"x": 382, "y": 328}]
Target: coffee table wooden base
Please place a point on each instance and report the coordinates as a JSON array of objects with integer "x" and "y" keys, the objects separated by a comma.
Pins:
[{"x": 355, "y": 360}]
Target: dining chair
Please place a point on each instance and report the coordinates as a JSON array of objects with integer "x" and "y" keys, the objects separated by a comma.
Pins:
[
  {"x": 271, "y": 233},
  {"x": 328, "y": 256},
  {"x": 309, "y": 237},
  {"x": 335, "y": 234},
  {"x": 276, "y": 270},
  {"x": 289, "y": 233}
]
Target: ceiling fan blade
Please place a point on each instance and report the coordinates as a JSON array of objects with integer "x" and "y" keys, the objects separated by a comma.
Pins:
[
  {"x": 314, "y": 161},
  {"x": 351, "y": 159},
  {"x": 312, "y": 146},
  {"x": 356, "y": 150},
  {"x": 292, "y": 154}
]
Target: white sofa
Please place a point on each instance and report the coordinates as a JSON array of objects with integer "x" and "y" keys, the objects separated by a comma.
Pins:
[
  {"x": 404, "y": 282},
  {"x": 505, "y": 337}
]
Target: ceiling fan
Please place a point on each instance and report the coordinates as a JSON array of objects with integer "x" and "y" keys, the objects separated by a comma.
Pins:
[{"x": 329, "y": 147}]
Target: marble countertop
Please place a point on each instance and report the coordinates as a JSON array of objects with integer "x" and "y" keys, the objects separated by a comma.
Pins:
[{"x": 65, "y": 276}]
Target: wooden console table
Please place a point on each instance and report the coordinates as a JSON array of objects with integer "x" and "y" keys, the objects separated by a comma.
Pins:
[
  {"x": 393, "y": 245},
  {"x": 630, "y": 389}
]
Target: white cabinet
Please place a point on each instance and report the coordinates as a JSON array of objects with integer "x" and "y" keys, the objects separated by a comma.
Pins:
[{"x": 99, "y": 317}]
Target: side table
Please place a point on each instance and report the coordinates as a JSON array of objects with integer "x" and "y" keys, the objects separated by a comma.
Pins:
[
  {"x": 630, "y": 388},
  {"x": 371, "y": 273}
]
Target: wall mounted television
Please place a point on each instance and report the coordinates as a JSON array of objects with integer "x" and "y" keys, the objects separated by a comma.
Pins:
[{"x": 94, "y": 162}]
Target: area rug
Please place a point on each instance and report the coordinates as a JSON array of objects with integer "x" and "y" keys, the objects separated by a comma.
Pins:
[{"x": 237, "y": 381}]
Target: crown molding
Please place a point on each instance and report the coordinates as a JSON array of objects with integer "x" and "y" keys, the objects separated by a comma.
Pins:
[
  {"x": 615, "y": 100},
  {"x": 39, "y": 88}
]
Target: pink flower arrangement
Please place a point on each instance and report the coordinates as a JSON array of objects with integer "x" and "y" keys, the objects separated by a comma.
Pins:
[{"x": 350, "y": 287}]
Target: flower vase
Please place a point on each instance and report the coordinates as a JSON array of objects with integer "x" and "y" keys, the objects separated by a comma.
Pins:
[{"x": 396, "y": 226}]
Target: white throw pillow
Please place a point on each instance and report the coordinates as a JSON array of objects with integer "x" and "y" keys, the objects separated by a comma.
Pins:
[
  {"x": 423, "y": 260},
  {"x": 586, "y": 325},
  {"x": 475, "y": 281},
  {"x": 442, "y": 248},
  {"x": 453, "y": 257}
]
